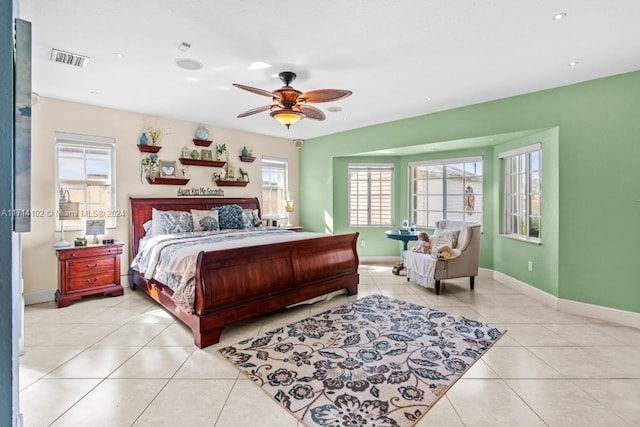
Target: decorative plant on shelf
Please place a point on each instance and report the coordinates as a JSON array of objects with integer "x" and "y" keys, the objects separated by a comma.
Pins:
[
  {"x": 149, "y": 167},
  {"x": 154, "y": 132},
  {"x": 221, "y": 152},
  {"x": 219, "y": 175}
]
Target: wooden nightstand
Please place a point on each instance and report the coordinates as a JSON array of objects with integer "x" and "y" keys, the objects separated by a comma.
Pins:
[{"x": 88, "y": 270}]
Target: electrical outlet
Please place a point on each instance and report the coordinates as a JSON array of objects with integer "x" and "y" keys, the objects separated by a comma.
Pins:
[
  {"x": 363, "y": 243},
  {"x": 530, "y": 265}
]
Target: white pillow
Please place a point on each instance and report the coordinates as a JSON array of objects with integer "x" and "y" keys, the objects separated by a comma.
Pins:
[
  {"x": 205, "y": 220},
  {"x": 148, "y": 232},
  {"x": 250, "y": 218},
  {"x": 446, "y": 237}
]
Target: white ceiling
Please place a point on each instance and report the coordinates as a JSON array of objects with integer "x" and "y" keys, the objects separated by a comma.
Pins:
[{"x": 394, "y": 55}]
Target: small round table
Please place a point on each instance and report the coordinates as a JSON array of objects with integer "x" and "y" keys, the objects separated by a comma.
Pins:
[{"x": 405, "y": 237}]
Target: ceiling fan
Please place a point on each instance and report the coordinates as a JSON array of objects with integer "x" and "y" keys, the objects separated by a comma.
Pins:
[{"x": 290, "y": 105}]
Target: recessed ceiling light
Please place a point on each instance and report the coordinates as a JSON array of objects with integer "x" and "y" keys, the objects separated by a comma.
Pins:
[
  {"x": 428, "y": 98},
  {"x": 559, "y": 16},
  {"x": 259, "y": 65},
  {"x": 118, "y": 55},
  {"x": 188, "y": 64},
  {"x": 334, "y": 109},
  {"x": 573, "y": 63}
]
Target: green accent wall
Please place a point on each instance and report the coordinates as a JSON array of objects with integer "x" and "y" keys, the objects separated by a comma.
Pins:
[
  {"x": 512, "y": 256},
  {"x": 591, "y": 190}
]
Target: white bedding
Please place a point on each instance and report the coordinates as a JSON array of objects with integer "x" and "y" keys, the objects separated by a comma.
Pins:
[{"x": 171, "y": 258}]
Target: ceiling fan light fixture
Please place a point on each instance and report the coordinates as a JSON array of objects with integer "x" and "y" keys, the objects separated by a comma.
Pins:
[
  {"x": 289, "y": 104},
  {"x": 287, "y": 116}
]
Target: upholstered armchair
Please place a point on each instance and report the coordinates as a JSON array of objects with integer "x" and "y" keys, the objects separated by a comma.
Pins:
[{"x": 429, "y": 270}]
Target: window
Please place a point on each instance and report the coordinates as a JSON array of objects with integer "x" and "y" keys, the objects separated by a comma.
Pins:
[
  {"x": 86, "y": 168},
  {"x": 370, "y": 194},
  {"x": 522, "y": 192},
  {"x": 446, "y": 189},
  {"x": 275, "y": 179}
]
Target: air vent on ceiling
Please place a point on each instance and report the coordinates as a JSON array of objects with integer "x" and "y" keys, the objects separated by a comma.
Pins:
[{"x": 69, "y": 58}]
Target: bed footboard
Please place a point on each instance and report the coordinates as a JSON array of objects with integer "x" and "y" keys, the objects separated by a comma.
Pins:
[{"x": 237, "y": 284}]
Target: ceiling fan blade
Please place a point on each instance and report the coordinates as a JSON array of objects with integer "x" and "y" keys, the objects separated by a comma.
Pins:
[
  {"x": 255, "y": 111},
  {"x": 310, "y": 112},
  {"x": 324, "y": 95},
  {"x": 257, "y": 91}
]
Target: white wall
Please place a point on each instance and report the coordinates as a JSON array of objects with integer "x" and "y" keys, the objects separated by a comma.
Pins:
[{"x": 50, "y": 115}]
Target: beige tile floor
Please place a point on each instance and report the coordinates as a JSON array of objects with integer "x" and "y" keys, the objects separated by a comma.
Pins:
[{"x": 125, "y": 362}]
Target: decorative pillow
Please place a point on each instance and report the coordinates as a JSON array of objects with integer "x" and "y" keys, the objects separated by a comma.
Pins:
[
  {"x": 251, "y": 218},
  {"x": 446, "y": 237},
  {"x": 445, "y": 252},
  {"x": 230, "y": 217},
  {"x": 147, "y": 228},
  {"x": 169, "y": 222},
  {"x": 205, "y": 220}
]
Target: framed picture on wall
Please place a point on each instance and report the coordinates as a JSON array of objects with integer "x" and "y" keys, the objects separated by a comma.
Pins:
[
  {"x": 231, "y": 173},
  {"x": 167, "y": 169}
]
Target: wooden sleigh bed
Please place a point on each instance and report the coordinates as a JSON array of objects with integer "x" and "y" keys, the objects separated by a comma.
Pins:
[{"x": 236, "y": 284}]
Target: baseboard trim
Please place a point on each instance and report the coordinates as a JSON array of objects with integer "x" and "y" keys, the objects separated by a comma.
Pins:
[
  {"x": 39, "y": 297},
  {"x": 50, "y": 294},
  {"x": 527, "y": 289},
  {"x": 626, "y": 318},
  {"x": 385, "y": 259}
]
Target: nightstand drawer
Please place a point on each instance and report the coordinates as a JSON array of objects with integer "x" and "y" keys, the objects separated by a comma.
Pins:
[
  {"x": 82, "y": 283},
  {"x": 91, "y": 266}
]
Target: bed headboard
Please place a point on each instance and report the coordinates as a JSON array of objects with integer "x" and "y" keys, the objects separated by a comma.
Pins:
[{"x": 141, "y": 208}]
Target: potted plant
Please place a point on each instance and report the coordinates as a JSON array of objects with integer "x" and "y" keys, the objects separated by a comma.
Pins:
[
  {"x": 149, "y": 167},
  {"x": 221, "y": 152},
  {"x": 154, "y": 133}
]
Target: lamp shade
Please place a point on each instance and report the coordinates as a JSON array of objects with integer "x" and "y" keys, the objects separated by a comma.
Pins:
[
  {"x": 287, "y": 116},
  {"x": 68, "y": 210},
  {"x": 288, "y": 205}
]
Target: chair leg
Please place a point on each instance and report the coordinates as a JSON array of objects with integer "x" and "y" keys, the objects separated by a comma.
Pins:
[
  {"x": 471, "y": 281},
  {"x": 437, "y": 287}
]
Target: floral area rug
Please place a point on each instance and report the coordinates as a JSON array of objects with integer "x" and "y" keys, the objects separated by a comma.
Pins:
[{"x": 377, "y": 361}]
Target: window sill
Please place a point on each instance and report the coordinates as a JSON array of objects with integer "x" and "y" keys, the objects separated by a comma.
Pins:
[{"x": 521, "y": 239}]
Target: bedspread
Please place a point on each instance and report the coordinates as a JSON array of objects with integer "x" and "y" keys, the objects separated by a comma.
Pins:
[{"x": 171, "y": 259}]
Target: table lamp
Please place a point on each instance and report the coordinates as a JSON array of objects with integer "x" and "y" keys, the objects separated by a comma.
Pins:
[
  {"x": 288, "y": 206},
  {"x": 66, "y": 210}
]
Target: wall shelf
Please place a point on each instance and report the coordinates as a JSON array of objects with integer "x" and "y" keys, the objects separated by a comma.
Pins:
[
  {"x": 247, "y": 159},
  {"x": 202, "y": 142},
  {"x": 199, "y": 162},
  {"x": 149, "y": 148},
  {"x": 225, "y": 183},
  {"x": 168, "y": 181}
]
